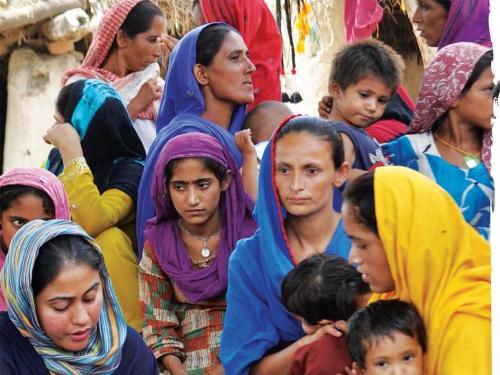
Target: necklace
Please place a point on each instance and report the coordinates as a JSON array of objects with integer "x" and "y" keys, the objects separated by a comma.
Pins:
[
  {"x": 205, "y": 251},
  {"x": 470, "y": 160}
]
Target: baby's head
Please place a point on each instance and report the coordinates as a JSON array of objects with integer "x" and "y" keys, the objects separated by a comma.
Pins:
[
  {"x": 264, "y": 118},
  {"x": 323, "y": 289},
  {"x": 387, "y": 337},
  {"x": 363, "y": 78}
]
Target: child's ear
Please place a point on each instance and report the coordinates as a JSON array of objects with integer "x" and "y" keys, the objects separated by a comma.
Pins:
[
  {"x": 227, "y": 180},
  {"x": 200, "y": 74},
  {"x": 335, "y": 90}
]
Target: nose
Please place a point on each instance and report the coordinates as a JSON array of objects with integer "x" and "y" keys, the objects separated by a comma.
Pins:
[
  {"x": 417, "y": 16},
  {"x": 353, "y": 257},
  {"x": 80, "y": 315},
  {"x": 371, "y": 104},
  {"x": 296, "y": 183},
  {"x": 250, "y": 66},
  {"x": 398, "y": 370},
  {"x": 192, "y": 198}
]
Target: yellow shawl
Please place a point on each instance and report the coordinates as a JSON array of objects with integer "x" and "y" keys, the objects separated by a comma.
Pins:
[{"x": 441, "y": 265}]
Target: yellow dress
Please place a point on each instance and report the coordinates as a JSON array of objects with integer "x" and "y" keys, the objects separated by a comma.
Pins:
[
  {"x": 441, "y": 265},
  {"x": 110, "y": 219}
]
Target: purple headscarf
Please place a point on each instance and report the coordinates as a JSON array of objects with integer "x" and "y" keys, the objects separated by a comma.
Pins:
[
  {"x": 162, "y": 231},
  {"x": 467, "y": 21}
]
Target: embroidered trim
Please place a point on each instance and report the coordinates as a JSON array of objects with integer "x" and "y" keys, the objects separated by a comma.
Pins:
[{"x": 75, "y": 168}]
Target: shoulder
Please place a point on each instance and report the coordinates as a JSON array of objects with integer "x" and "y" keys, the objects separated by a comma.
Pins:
[
  {"x": 136, "y": 357},
  {"x": 246, "y": 250},
  {"x": 327, "y": 355}
]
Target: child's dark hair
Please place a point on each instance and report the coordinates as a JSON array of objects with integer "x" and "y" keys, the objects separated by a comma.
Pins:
[
  {"x": 380, "y": 320},
  {"x": 482, "y": 64},
  {"x": 213, "y": 166},
  {"x": 360, "y": 198},
  {"x": 321, "y": 129},
  {"x": 9, "y": 193},
  {"x": 323, "y": 287},
  {"x": 210, "y": 42},
  {"x": 359, "y": 60},
  {"x": 58, "y": 252}
]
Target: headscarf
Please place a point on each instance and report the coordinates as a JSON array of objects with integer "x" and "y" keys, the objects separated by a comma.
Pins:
[
  {"x": 42, "y": 180},
  {"x": 182, "y": 93},
  {"x": 467, "y": 21},
  {"x": 442, "y": 83},
  {"x": 440, "y": 264},
  {"x": 100, "y": 47},
  {"x": 104, "y": 349},
  {"x": 256, "y": 320},
  {"x": 258, "y": 28},
  {"x": 162, "y": 232},
  {"x": 112, "y": 148}
]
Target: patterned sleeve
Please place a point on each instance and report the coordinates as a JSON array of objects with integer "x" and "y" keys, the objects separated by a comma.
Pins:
[{"x": 156, "y": 295}]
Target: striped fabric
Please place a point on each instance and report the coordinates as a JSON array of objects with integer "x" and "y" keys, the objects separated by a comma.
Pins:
[{"x": 103, "y": 353}]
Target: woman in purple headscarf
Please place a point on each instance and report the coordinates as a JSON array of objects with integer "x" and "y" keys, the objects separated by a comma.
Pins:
[{"x": 201, "y": 212}]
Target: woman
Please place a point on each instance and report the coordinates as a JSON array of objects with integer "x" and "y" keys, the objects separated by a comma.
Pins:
[
  {"x": 411, "y": 242},
  {"x": 201, "y": 212},
  {"x": 208, "y": 87},
  {"x": 99, "y": 158},
  {"x": 255, "y": 22},
  {"x": 449, "y": 140},
  {"x": 443, "y": 22},
  {"x": 27, "y": 194},
  {"x": 124, "y": 50},
  {"x": 296, "y": 219},
  {"x": 63, "y": 316}
]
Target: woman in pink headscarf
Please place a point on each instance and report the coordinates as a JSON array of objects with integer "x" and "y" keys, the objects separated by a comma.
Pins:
[{"x": 27, "y": 194}]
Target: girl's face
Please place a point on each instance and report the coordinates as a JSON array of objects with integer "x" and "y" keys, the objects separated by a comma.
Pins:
[
  {"x": 22, "y": 210},
  {"x": 367, "y": 252},
  {"x": 476, "y": 106},
  {"x": 305, "y": 175},
  {"x": 68, "y": 308},
  {"x": 430, "y": 18},
  {"x": 229, "y": 76},
  {"x": 195, "y": 191},
  {"x": 144, "y": 48}
]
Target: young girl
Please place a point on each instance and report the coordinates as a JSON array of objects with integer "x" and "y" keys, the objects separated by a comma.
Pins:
[
  {"x": 296, "y": 219},
  {"x": 63, "y": 316},
  {"x": 27, "y": 194},
  {"x": 201, "y": 212},
  {"x": 451, "y": 127}
]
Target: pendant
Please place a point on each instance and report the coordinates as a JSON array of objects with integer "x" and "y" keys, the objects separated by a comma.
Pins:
[
  {"x": 471, "y": 161},
  {"x": 205, "y": 252}
]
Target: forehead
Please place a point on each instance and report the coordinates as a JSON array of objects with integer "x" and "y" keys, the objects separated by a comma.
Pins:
[
  {"x": 233, "y": 41},
  {"x": 374, "y": 84},
  {"x": 72, "y": 280},
  {"x": 26, "y": 203},
  {"x": 394, "y": 343},
  {"x": 190, "y": 169},
  {"x": 303, "y": 147}
]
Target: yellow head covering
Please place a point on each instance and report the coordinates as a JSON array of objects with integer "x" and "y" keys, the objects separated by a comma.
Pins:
[{"x": 441, "y": 265}]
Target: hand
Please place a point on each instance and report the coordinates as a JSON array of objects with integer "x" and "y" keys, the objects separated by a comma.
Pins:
[
  {"x": 327, "y": 329},
  {"x": 65, "y": 138},
  {"x": 325, "y": 107},
  {"x": 173, "y": 365},
  {"x": 149, "y": 92},
  {"x": 167, "y": 44},
  {"x": 355, "y": 370},
  {"x": 243, "y": 140},
  {"x": 219, "y": 370}
]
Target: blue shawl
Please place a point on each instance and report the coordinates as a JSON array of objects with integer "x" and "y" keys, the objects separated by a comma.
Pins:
[{"x": 255, "y": 320}]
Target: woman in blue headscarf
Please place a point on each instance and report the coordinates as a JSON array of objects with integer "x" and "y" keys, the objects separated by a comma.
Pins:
[
  {"x": 207, "y": 89},
  {"x": 296, "y": 219}
]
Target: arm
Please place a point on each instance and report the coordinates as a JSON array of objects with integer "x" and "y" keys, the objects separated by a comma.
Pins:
[
  {"x": 160, "y": 321},
  {"x": 250, "y": 165}
]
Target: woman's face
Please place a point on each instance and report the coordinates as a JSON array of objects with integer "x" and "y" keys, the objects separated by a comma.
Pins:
[
  {"x": 476, "y": 106},
  {"x": 195, "y": 192},
  {"x": 68, "y": 308},
  {"x": 22, "y": 210},
  {"x": 305, "y": 175},
  {"x": 229, "y": 76},
  {"x": 143, "y": 49},
  {"x": 430, "y": 18},
  {"x": 367, "y": 252}
]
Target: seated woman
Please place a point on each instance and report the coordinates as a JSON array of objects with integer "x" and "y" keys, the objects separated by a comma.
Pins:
[
  {"x": 410, "y": 242},
  {"x": 124, "y": 51},
  {"x": 99, "y": 158},
  {"x": 209, "y": 83},
  {"x": 63, "y": 316},
  {"x": 296, "y": 219},
  {"x": 27, "y": 194},
  {"x": 450, "y": 127},
  {"x": 201, "y": 212}
]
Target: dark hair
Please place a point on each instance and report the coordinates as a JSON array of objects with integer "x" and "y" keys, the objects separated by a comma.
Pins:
[
  {"x": 62, "y": 101},
  {"x": 10, "y": 193},
  {"x": 482, "y": 64},
  {"x": 359, "y": 60},
  {"x": 210, "y": 41},
  {"x": 323, "y": 287},
  {"x": 213, "y": 166},
  {"x": 445, "y": 3},
  {"x": 58, "y": 252},
  {"x": 319, "y": 128},
  {"x": 360, "y": 196},
  {"x": 380, "y": 320}
]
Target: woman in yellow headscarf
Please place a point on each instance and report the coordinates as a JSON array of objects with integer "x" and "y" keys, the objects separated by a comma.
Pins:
[{"x": 410, "y": 242}]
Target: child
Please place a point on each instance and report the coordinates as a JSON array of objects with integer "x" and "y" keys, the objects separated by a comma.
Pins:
[
  {"x": 322, "y": 289},
  {"x": 387, "y": 337},
  {"x": 363, "y": 78}
]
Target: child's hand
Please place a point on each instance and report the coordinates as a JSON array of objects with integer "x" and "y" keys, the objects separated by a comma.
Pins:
[
  {"x": 325, "y": 107},
  {"x": 243, "y": 140},
  {"x": 355, "y": 370}
]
